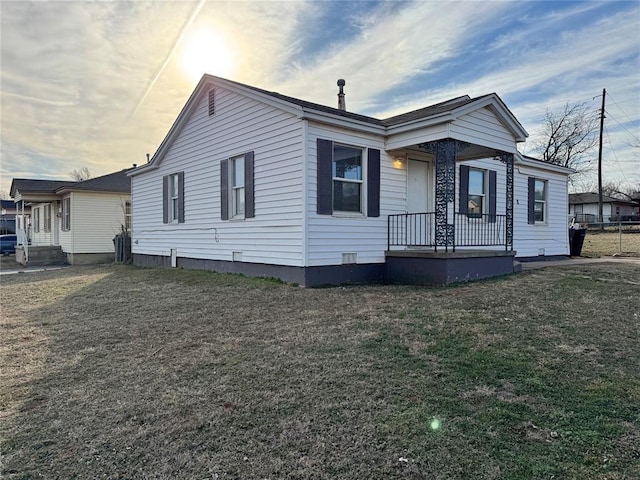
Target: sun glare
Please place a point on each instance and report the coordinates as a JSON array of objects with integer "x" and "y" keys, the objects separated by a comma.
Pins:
[{"x": 206, "y": 52}]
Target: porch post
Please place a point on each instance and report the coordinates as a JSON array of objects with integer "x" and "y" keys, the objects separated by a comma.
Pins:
[
  {"x": 507, "y": 159},
  {"x": 445, "y": 152}
]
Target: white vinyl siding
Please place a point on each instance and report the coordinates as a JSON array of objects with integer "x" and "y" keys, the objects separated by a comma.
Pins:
[
  {"x": 482, "y": 127},
  {"x": 547, "y": 238},
  {"x": 329, "y": 236},
  {"x": 240, "y": 125},
  {"x": 96, "y": 219}
]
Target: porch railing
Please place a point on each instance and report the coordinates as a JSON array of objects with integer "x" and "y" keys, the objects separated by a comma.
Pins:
[{"x": 469, "y": 230}]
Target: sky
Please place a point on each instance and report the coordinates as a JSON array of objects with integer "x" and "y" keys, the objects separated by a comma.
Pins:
[{"x": 98, "y": 84}]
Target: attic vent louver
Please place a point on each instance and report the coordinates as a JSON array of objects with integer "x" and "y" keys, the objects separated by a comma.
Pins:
[{"x": 212, "y": 103}]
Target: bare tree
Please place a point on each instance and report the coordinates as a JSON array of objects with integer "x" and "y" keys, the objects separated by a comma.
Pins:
[
  {"x": 80, "y": 174},
  {"x": 4, "y": 195},
  {"x": 567, "y": 136}
]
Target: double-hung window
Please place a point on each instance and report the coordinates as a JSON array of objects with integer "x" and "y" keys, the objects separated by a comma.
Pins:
[
  {"x": 538, "y": 194},
  {"x": 127, "y": 216},
  {"x": 477, "y": 192},
  {"x": 237, "y": 187},
  {"x": 347, "y": 179},
  {"x": 36, "y": 219},
  {"x": 173, "y": 198},
  {"x": 237, "y": 195},
  {"x": 66, "y": 214},
  {"x": 173, "y": 202},
  {"x": 47, "y": 217}
]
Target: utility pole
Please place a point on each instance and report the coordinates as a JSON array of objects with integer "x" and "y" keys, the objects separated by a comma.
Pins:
[{"x": 600, "y": 219}]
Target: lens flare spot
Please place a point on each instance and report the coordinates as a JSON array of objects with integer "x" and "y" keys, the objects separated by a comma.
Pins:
[{"x": 435, "y": 424}]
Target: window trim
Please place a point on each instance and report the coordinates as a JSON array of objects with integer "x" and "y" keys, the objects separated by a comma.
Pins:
[
  {"x": 127, "y": 215},
  {"x": 235, "y": 188},
  {"x": 168, "y": 213},
  {"x": 47, "y": 217},
  {"x": 227, "y": 189},
  {"x": 66, "y": 214},
  {"x": 533, "y": 201},
  {"x": 370, "y": 195},
  {"x": 489, "y": 204},
  {"x": 363, "y": 188},
  {"x": 36, "y": 220}
]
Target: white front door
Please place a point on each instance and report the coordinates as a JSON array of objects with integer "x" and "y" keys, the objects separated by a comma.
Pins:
[{"x": 418, "y": 186}]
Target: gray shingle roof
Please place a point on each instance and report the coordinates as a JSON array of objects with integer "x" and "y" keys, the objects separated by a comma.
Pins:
[
  {"x": 431, "y": 110},
  {"x": 30, "y": 185},
  {"x": 578, "y": 198},
  {"x": 112, "y": 182}
]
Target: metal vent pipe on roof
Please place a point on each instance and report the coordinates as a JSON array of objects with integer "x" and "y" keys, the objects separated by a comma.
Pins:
[{"x": 342, "y": 105}]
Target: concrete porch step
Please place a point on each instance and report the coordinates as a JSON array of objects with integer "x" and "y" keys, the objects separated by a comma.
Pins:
[{"x": 47, "y": 255}]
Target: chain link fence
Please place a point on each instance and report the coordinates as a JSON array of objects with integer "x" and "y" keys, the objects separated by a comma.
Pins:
[{"x": 612, "y": 238}]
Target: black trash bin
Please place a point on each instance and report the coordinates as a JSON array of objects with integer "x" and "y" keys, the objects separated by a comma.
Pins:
[{"x": 576, "y": 240}]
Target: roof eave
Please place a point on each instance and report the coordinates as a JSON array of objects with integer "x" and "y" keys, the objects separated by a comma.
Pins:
[
  {"x": 530, "y": 162},
  {"x": 338, "y": 120}
]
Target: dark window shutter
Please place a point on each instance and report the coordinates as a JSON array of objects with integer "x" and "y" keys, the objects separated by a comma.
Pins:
[
  {"x": 181, "y": 197},
  {"x": 165, "y": 199},
  {"x": 249, "y": 197},
  {"x": 324, "y": 199},
  {"x": 212, "y": 103},
  {"x": 464, "y": 189},
  {"x": 531, "y": 205},
  {"x": 373, "y": 183},
  {"x": 492, "y": 196},
  {"x": 224, "y": 189}
]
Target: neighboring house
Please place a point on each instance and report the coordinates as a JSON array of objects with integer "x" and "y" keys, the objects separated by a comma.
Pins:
[
  {"x": 81, "y": 218},
  {"x": 254, "y": 182},
  {"x": 8, "y": 217},
  {"x": 584, "y": 208}
]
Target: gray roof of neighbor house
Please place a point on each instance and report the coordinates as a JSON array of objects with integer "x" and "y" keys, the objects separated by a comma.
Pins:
[
  {"x": 30, "y": 185},
  {"x": 112, "y": 182},
  {"x": 589, "y": 197}
]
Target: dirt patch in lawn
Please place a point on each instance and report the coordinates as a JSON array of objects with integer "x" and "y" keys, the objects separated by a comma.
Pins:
[{"x": 123, "y": 372}]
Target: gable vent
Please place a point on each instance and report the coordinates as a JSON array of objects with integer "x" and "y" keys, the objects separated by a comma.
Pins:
[{"x": 212, "y": 103}]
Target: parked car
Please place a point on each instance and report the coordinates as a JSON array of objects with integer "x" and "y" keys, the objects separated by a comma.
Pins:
[{"x": 8, "y": 244}]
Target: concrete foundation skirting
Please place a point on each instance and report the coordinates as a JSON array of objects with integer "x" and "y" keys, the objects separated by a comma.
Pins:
[
  {"x": 306, "y": 277},
  {"x": 90, "y": 258},
  {"x": 405, "y": 267},
  {"x": 440, "y": 268}
]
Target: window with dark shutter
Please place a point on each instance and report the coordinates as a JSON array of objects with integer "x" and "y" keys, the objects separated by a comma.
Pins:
[
  {"x": 165, "y": 199},
  {"x": 324, "y": 179},
  {"x": 237, "y": 187},
  {"x": 173, "y": 198},
  {"x": 224, "y": 189},
  {"x": 492, "y": 196},
  {"x": 373, "y": 183},
  {"x": 463, "y": 207},
  {"x": 249, "y": 197},
  {"x": 531, "y": 205},
  {"x": 181, "y": 197}
]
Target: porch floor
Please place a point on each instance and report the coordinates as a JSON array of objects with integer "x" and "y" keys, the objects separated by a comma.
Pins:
[{"x": 427, "y": 267}]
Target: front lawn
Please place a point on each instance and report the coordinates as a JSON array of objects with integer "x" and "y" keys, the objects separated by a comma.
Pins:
[{"x": 131, "y": 373}]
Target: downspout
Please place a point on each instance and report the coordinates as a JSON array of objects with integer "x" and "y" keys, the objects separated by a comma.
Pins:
[{"x": 305, "y": 200}]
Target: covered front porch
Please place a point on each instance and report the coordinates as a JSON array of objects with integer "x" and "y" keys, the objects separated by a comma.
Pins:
[{"x": 456, "y": 228}]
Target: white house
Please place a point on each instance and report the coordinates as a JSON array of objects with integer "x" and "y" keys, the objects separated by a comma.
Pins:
[
  {"x": 584, "y": 207},
  {"x": 78, "y": 219},
  {"x": 255, "y": 182}
]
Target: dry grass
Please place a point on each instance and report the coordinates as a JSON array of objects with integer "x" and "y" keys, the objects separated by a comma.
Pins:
[
  {"x": 612, "y": 242},
  {"x": 138, "y": 373}
]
